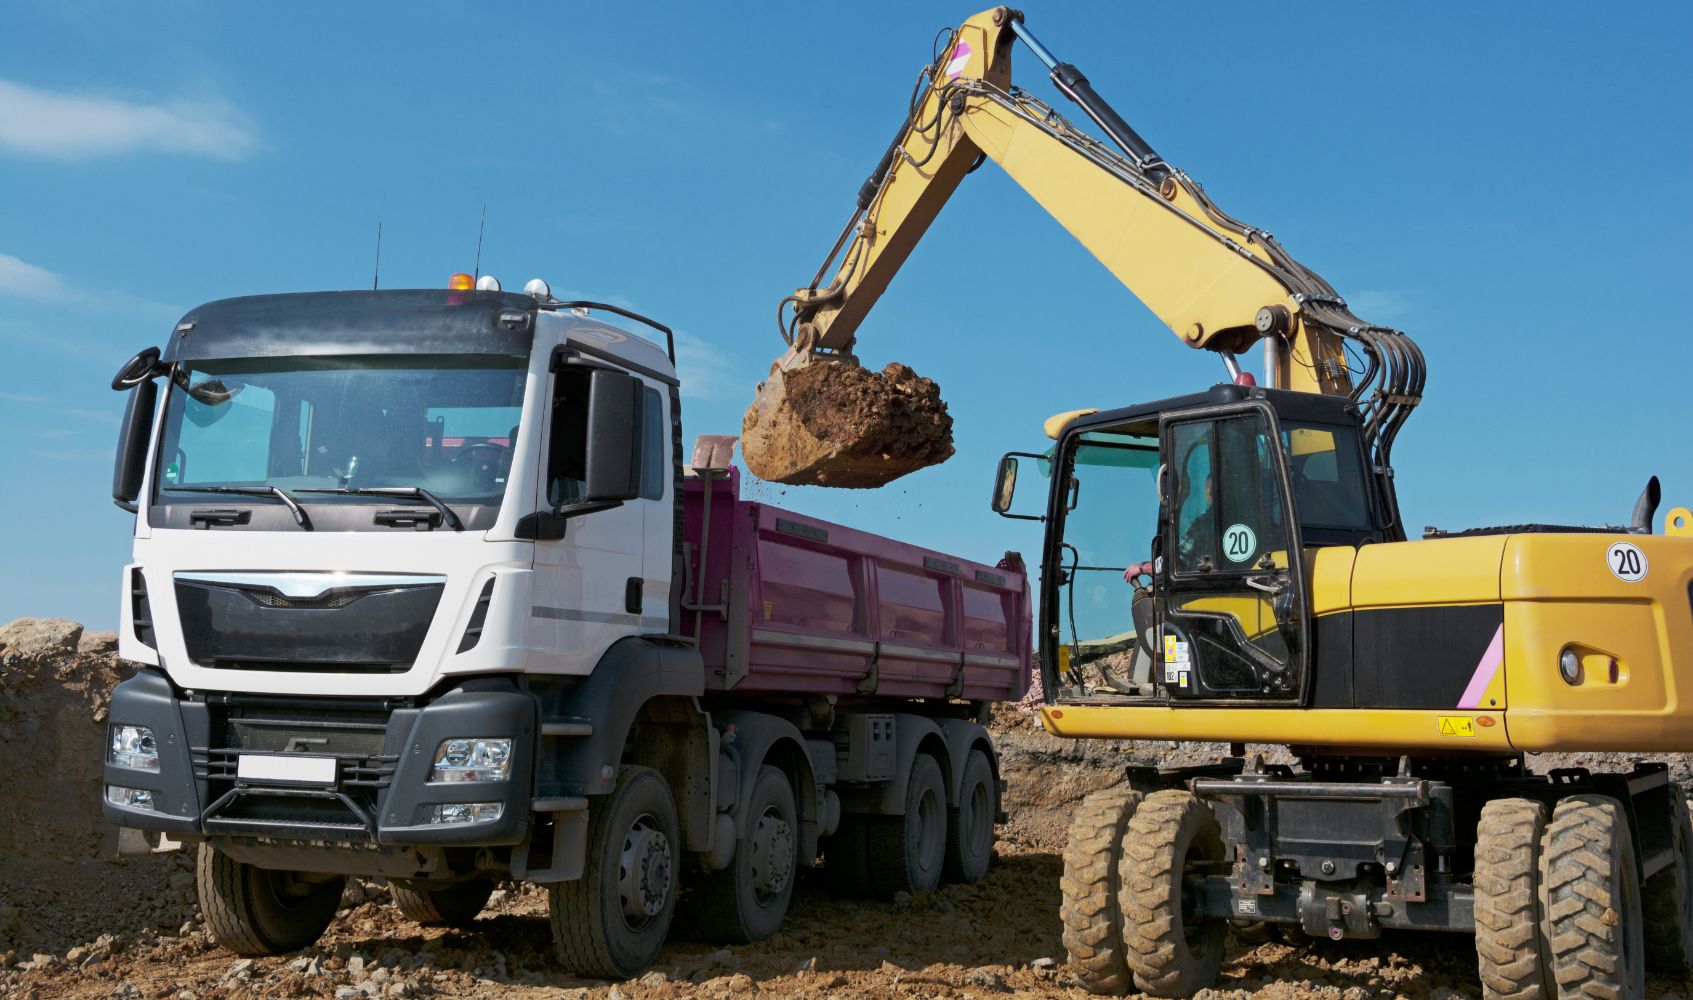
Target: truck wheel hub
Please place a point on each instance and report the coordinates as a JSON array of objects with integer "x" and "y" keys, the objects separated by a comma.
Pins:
[
  {"x": 772, "y": 854},
  {"x": 643, "y": 882}
]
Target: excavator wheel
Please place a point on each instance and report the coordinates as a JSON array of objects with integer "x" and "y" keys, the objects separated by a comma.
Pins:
[
  {"x": 1667, "y": 900},
  {"x": 833, "y": 423},
  {"x": 1093, "y": 922},
  {"x": 1592, "y": 901},
  {"x": 1172, "y": 953},
  {"x": 1509, "y": 932}
]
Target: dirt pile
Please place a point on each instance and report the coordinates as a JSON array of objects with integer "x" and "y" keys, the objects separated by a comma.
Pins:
[{"x": 836, "y": 424}]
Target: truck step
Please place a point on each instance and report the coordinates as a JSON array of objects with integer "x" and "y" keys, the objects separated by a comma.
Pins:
[
  {"x": 571, "y": 728},
  {"x": 559, "y": 804}
]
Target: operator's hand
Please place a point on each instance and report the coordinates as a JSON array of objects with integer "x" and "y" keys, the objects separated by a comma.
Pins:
[{"x": 1135, "y": 571}]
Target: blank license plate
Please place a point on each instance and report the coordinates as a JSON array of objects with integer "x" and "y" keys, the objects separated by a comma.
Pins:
[{"x": 286, "y": 767}]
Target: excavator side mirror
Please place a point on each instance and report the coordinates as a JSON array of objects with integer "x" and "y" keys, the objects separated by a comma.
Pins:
[{"x": 1005, "y": 486}]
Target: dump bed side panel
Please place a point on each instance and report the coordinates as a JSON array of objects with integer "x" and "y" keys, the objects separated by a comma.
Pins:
[{"x": 789, "y": 604}]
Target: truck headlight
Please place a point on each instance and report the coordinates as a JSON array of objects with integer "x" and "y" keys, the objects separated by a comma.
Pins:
[
  {"x": 472, "y": 760},
  {"x": 131, "y": 798},
  {"x": 133, "y": 747},
  {"x": 466, "y": 812}
]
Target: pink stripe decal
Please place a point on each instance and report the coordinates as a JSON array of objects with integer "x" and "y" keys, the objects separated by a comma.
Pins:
[{"x": 1485, "y": 671}]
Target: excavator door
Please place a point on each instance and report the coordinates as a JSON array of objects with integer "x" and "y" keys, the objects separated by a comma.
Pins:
[{"x": 1230, "y": 600}]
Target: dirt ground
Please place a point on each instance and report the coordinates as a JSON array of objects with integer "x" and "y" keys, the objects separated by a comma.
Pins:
[{"x": 77, "y": 921}]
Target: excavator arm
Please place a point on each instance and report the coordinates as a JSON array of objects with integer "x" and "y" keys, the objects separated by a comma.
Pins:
[{"x": 1217, "y": 283}]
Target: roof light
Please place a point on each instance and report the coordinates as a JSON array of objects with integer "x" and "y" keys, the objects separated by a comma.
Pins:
[
  {"x": 538, "y": 288},
  {"x": 487, "y": 283},
  {"x": 461, "y": 282}
]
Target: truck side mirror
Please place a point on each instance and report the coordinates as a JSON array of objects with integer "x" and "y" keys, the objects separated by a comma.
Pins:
[
  {"x": 1004, "y": 484},
  {"x": 614, "y": 437},
  {"x": 130, "y": 465}
]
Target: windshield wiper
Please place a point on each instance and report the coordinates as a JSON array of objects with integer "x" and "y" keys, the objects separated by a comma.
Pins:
[
  {"x": 278, "y": 492},
  {"x": 414, "y": 492}
]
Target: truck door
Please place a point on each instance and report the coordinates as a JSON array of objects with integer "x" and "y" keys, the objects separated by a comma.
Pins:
[
  {"x": 1231, "y": 600},
  {"x": 581, "y": 601}
]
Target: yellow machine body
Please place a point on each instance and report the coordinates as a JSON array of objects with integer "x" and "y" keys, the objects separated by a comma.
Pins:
[{"x": 1554, "y": 592}]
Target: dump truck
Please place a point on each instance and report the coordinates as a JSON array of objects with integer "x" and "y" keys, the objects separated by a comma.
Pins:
[
  {"x": 1231, "y": 565},
  {"x": 423, "y": 590}
]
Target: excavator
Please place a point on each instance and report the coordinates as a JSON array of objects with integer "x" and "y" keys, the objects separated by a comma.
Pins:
[{"x": 1231, "y": 566}]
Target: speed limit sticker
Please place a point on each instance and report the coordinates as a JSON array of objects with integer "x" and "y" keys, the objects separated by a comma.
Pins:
[
  {"x": 1626, "y": 561},
  {"x": 1239, "y": 543}
]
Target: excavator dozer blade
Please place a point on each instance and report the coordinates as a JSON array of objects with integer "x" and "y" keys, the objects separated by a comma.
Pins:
[{"x": 833, "y": 423}]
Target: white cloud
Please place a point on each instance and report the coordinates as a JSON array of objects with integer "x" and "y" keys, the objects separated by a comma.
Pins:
[
  {"x": 56, "y": 125},
  {"x": 25, "y": 280},
  {"x": 705, "y": 371}
]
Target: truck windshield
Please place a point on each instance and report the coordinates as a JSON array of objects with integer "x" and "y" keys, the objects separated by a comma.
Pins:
[{"x": 445, "y": 423}]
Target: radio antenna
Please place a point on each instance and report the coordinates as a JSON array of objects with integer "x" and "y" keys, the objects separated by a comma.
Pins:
[
  {"x": 376, "y": 279},
  {"x": 480, "y": 226}
]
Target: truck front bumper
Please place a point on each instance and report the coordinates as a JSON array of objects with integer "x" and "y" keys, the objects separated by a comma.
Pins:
[{"x": 377, "y": 792}]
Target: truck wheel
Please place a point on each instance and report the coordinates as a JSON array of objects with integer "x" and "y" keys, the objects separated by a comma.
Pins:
[
  {"x": 746, "y": 901},
  {"x": 450, "y": 906},
  {"x": 906, "y": 853},
  {"x": 969, "y": 828},
  {"x": 1592, "y": 901},
  {"x": 1509, "y": 932},
  {"x": 261, "y": 911},
  {"x": 1172, "y": 953},
  {"x": 611, "y": 922},
  {"x": 1093, "y": 922},
  {"x": 846, "y": 861},
  {"x": 1667, "y": 900}
]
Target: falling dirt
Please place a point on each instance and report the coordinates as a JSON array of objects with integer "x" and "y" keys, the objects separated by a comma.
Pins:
[
  {"x": 78, "y": 921},
  {"x": 833, "y": 423}
]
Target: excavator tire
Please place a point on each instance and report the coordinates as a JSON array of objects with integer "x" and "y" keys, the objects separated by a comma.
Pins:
[
  {"x": 1509, "y": 939},
  {"x": 1093, "y": 922},
  {"x": 1667, "y": 901},
  {"x": 1170, "y": 954},
  {"x": 1592, "y": 901},
  {"x": 832, "y": 423}
]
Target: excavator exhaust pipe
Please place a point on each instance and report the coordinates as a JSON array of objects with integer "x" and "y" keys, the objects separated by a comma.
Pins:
[{"x": 833, "y": 423}]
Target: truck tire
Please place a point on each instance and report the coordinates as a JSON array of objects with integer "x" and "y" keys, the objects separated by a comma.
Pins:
[
  {"x": 261, "y": 911},
  {"x": 969, "y": 828},
  {"x": 846, "y": 859},
  {"x": 747, "y": 901},
  {"x": 611, "y": 922},
  {"x": 1592, "y": 901},
  {"x": 1667, "y": 900},
  {"x": 1171, "y": 955},
  {"x": 1510, "y": 939},
  {"x": 1093, "y": 921},
  {"x": 907, "y": 853},
  {"x": 447, "y": 906}
]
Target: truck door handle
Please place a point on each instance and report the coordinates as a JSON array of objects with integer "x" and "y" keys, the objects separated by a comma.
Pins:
[{"x": 632, "y": 595}]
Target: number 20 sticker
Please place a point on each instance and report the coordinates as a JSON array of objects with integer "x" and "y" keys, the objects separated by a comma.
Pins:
[
  {"x": 1626, "y": 561},
  {"x": 1239, "y": 543}
]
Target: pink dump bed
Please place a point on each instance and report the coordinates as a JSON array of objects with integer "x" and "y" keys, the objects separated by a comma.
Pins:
[{"x": 793, "y": 605}]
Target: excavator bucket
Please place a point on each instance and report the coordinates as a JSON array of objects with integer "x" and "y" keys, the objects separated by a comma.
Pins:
[{"x": 833, "y": 423}]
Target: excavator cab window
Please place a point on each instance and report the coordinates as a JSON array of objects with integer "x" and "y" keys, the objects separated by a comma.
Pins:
[{"x": 1230, "y": 595}]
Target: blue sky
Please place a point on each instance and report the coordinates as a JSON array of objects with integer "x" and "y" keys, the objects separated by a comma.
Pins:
[{"x": 1508, "y": 184}]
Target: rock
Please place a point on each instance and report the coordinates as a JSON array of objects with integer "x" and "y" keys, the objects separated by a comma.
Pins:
[
  {"x": 615, "y": 994},
  {"x": 38, "y": 638},
  {"x": 833, "y": 982},
  {"x": 98, "y": 643},
  {"x": 902, "y": 900},
  {"x": 740, "y": 982},
  {"x": 398, "y": 990},
  {"x": 888, "y": 968},
  {"x": 41, "y": 960},
  {"x": 1045, "y": 968},
  {"x": 1447, "y": 993},
  {"x": 355, "y": 966},
  {"x": 76, "y": 955},
  {"x": 986, "y": 979},
  {"x": 348, "y": 993},
  {"x": 654, "y": 978},
  {"x": 808, "y": 966},
  {"x": 721, "y": 957}
]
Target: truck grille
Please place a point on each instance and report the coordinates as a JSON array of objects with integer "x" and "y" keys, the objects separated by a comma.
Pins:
[{"x": 249, "y": 624}]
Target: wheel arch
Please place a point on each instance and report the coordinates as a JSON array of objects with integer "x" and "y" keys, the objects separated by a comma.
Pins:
[{"x": 760, "y": 739}]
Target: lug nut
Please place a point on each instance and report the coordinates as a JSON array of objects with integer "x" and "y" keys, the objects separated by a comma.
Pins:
[{"x": 1328, "y": 867}]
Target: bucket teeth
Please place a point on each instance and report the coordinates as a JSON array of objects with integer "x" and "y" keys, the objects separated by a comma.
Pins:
[{"x": 833, "y": 423}]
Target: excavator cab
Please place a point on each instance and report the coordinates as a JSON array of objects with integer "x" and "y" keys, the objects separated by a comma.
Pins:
[{"x": 1219, "y": 500}]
